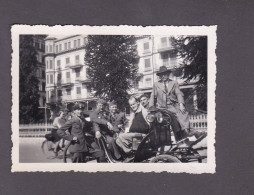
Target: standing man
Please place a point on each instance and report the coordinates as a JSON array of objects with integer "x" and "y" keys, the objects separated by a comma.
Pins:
[
  {"x": 116, "y": 118},
  {"x": 101, "y": 124},
  {"x": 167, "y": 94},
  {"x": 138, "y": 126},
  {"x": 80, "y": 148}
]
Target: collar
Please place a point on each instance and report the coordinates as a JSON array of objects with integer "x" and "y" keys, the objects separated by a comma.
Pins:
[{"x": 138, "y": 110}]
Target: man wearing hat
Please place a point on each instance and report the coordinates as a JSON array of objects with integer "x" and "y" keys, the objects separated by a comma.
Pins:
[
  {"x": 116, "y": 118},
  {"x": 80, "y": 147},
  {"x": 101, "y": 124},
  {"x": 167, "y": 94}
]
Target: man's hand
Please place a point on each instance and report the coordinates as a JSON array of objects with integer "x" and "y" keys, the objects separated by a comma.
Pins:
[
  {"x": 98, "y": 134},
  {"x": 120, "y": 126},
  {"x": 110, "y": 126},
  {"x": 182, "y": 108},
  {"x": 75, "y": 139}
]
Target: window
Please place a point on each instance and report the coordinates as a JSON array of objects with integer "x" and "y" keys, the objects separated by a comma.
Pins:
[
  {"x": 147, "y": 63},
  {"x": 47, "y": 79},
  {"x": 51, "y": 64},
  {"x": 65, "y": 46},
  {"x": 60, "y": 47},
  {"x": 77, "y": 73},
  {"x": 46, "y": 49},
  {"x": 59, "y": 78},
  {"x": 47, "y": 64},
  {"x": 57, "y": 49},
  {"x": 43, "y": 86},
  {"x": 58, "y": 62},
  {"x": 75, "y": 43},
  {"x": 77, "y": 59},
  {"x": 68, "y": 75},
  {"x": 85, "y": 40},
  {"x": 78, "y": 90},
  {"x": 68, "y": 91},
  {"x": 146, "y": 46},
  {"x": 165, "y": 59},
  {"x": 148, "y": 82},
  {"x": 69, "y": 45},
  {"x": 67, "y": 60},
  {"x": 78, "y": 42},
  {"x": 50, "y": 48},
  {"x": 51, "y": 79},
  {"x": 59, "y": 93},
  {"x": 43, "y": 74},
  {"x": 164, "y": 41}
]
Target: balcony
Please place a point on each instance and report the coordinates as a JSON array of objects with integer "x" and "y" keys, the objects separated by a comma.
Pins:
[
  {"x": 66, "y": 83},
  {"x": 77, "y": 64},
  {"x": 147, "y": 51},
  {"x": 165, "y": 47},
  {"x": 67, "y": 65},
  {"x": 66, "y": 97},
  {"x": 85, "y": 80}
]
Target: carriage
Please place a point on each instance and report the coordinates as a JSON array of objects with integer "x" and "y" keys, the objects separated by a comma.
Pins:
[{"x": 158, "y": 146}]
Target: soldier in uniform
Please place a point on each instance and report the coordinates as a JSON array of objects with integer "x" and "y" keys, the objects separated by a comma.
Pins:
[{"x": 102, "y": 125}]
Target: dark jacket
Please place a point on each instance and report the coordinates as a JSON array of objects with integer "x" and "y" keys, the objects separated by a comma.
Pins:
[
  {"x": 118, "y": 119},
  {"x": 99, "y": 119},
  {"x": 75, "y": 125}
]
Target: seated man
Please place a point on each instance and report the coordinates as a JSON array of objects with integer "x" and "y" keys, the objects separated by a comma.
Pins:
[
  {"x": 138, "y": 126},
  {"x": 144, "y": 101},
  {"x": 102, "y": 125},
  {"x": 116, "y": 118},
  {"x": 80, "y": 148}
]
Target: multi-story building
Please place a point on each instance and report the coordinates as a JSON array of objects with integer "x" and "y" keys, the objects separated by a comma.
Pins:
[
  {"x": 66, "y": 71},
  {"x": 39, "y": 45},
  {"x": 154, "y": 52}
]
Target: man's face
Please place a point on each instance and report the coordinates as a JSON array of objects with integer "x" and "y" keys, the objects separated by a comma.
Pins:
[
  {"x": 144, "y": 101},
  {"x": 133, "y": 104},
  {"x": 100, "y": 106},
  {"x": 164, "y": 76},
  {"x": 113, "y": 108},
  {"x": 77, "y": 112},
  {"x": 62, "y": 114}
]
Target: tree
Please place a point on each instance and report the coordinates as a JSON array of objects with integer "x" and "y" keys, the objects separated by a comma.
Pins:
[
  {"x": 28, "y": 82},
  {"x": 193, "y": 52},
  {"x": 112, "y": 63}
]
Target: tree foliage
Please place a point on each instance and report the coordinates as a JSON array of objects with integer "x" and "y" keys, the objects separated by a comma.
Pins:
[
  {"x": 193, "y": 52},
  {"x": 112, "y": 62},
  {"x": 28, "y": 82}
]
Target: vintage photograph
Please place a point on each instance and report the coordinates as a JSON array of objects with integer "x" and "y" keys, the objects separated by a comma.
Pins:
[{"x": 119, "y": 98}]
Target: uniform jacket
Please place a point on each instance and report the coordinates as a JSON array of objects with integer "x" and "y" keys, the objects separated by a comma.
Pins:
[
  {"x": 99, "y": 119},
  {"x": 159, "y": 93},
  {"x": 75, "y": 125},
  {"x": 118, "y": 119}
]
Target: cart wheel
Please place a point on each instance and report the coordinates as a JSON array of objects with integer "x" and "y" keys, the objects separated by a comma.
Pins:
[
  {"x": 48, "y": 148},
  {"x": 165, "y": 159},
  {"x": 66, "y": 154},
  {"x": 188, "y": 151}
]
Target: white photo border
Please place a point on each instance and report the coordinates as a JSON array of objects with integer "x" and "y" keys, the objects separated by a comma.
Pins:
[{"x": 194, "y": 168}]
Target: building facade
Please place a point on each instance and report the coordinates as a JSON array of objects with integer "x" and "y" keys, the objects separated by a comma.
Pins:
[
  {"x": 39, "y": 45},
  {"x": 154, "y": 52},
  {"x": 66, "y": 72}
]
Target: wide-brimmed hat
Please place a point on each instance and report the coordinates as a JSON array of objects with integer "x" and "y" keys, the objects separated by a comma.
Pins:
[{"x": 163, "y": 69}]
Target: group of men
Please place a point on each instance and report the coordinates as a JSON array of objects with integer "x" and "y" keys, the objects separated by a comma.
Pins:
[{"x": 166, "y": 94}]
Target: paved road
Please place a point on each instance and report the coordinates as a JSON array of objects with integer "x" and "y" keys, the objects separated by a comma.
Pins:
[{"x": 30, "y": 151}]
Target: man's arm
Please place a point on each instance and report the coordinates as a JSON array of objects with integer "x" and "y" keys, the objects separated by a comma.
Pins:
[
  {"x": 61, "y": 131},
  {"x": 94, "y": 118},
  {"x": 179, "y": 94}
]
